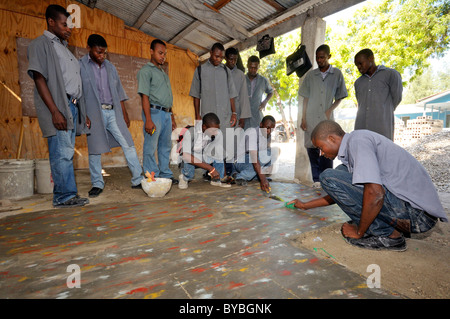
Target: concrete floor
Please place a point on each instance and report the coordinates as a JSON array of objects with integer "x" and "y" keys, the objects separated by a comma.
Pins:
[{"x": 203, "y": 242}]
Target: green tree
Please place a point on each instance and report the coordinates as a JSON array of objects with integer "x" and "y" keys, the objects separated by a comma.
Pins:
[{"x": 403, "y": 34}]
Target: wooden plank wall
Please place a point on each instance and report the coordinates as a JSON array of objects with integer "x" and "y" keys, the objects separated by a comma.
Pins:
[{"x": 26, "y": 19}]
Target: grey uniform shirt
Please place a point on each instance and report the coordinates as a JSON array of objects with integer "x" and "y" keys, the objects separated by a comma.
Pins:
[
  {"x": 69, "y": 66},
  {"x": 215, "y": 90},
  {"x": 242, "y": 101},
  {"x": 321, "y": 93},
  {"x": 378, "y": 96},
  {"x": 256, "y": 88},
  {"x": 372, "y": 158},
  {"x": 44, "y": 59}
]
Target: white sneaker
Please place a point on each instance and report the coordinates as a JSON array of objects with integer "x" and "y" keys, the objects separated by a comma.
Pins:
[
  {"x": 316, "y": 185},
  {"x": 220, "y": 184},
  {"x": 182, "y": 184}
]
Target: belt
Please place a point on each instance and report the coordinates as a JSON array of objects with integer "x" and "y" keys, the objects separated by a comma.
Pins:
[
  {"x": 160, "y": 108},
  {"x": 72, "y": 99},
  {"x": 107, "y": 106}
]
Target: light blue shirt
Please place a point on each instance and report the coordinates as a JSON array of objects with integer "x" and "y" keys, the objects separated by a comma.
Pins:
[{"x": 373, "y": 158}]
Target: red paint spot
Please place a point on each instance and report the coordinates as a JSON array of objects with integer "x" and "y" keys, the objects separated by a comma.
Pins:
[
  {"x": 129, "y": 227},
  {"x": 142, "y": 289},
  {"x": 173, "y": 247},
  {"x": 215, "y": 265},
  {"x": 210, "y": 215},
  {"x": 312, "y": 261},
  {"x": 198, "y": 270},
  {"x": 206, "y": 241},
  {"x": 118, "y": 216},
  {"x": 164, "y": 212},
  {"x": 248, "y": 253},
  {"x": 266, "y": 241},
  {"x": 286, "y": 273},
  {"x": 234, "y": 285}
]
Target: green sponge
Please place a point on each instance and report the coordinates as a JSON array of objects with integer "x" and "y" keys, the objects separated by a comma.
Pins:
[{"x": 289, "y": 206}]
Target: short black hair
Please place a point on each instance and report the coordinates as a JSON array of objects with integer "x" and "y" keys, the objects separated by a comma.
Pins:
[
  {"x": 211, "y": 119},
  {"x": 323, "y": 48},
  {"x": 268, "y": 118},
  {"x": 53, "y": 11},
  {"x": 155, "y": 42},
  {"x": 231, "y": 51},
  {"x": 217, "y": 45},
  {"x": 253, "y": 59},
  {"x": 366, "y": 52},
  {"x": 96, "y": 40},
  {"x": 326, "y": 128}
]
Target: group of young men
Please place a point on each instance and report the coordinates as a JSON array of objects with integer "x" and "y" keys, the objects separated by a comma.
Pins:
[
  {"x": 382, "y": 188},
  {"x": 85, "y": 96}
]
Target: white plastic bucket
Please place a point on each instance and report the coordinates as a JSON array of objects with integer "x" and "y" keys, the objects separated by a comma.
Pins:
[
  {"x": 16, "y": 178},
  {"x": 44, "y": 180}
]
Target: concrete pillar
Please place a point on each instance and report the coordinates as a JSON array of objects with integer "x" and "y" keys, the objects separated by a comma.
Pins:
[{"x": 313, "y": 35}]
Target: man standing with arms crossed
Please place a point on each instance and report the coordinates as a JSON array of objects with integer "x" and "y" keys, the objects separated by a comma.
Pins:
[
  {"x": 159, "y": 122},
  {"x": 322, "y": 90},
  {"x": 56, "y": 74}
]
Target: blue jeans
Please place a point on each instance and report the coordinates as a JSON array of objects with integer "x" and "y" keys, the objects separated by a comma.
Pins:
[
  {"x": 161, "y": 141},
  {"x": 395, "y": 213},
  {"x": 61, "y": 149},
  {"x": 245, "y": 169},
  {"x": 95, "y": 160},
  {"x": 318, "y": 163},
  {"x": 188, "y": 170}
]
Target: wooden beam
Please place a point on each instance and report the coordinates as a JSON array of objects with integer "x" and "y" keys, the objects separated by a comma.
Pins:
[
  {"x": 211, "y": 18},
  {"x": 146, "y": 13},
  {"x": 194, "y": 25},
  {"x": 220, "y": 4},
  {"x": 275, "y": 5},
  {"x": 277, "y": 29}
]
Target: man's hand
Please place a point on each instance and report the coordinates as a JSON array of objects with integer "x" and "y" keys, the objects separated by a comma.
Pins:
[
  {"x": 126, "y": 118},
  {"x": 174, "y": 124},
  {"x": 265, "y": 186},
  {"x": 328, "y": 113},
  {"x": 150, "y": 127},
  {"x": 241, "y": 123},
  {"x": 59, "y": 121},
  {"x": 298, "y": 204},
  {"x": 303, "y": 125},
  {"x": 88, "y": 122},
  {"x": 233, "y": 120}
]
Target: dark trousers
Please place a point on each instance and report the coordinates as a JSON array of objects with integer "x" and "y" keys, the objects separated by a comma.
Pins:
[{"x": 318, "y": 163}]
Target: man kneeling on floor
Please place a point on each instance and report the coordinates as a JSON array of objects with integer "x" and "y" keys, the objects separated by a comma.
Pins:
[
  {"x": 254, "y": 154},
  {"x": 384, "y": 190},
  {"x": 203, "y": 148}
]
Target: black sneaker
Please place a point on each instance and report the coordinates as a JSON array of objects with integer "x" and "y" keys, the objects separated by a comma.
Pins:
[
  {"x": 73, "y": 202},
  {"x": 379, "y": 243},
  {"x": 174, "y": 181},
  {"x": 241, "y": 182},
  {"x": 138, "y": 186},
  {"x": 95, "y": 191}
]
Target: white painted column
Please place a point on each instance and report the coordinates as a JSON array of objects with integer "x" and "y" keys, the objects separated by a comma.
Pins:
[{"x": 313, "y": 35}]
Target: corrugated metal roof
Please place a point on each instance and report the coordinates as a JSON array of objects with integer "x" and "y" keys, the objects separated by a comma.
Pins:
[{"x": 197, "y": 24}]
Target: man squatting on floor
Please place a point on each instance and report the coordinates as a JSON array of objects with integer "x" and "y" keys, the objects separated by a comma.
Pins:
[{"x": 384, "y": 190}]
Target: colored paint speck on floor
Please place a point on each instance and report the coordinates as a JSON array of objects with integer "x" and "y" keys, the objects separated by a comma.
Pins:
[{"x": 200, "y": 243}]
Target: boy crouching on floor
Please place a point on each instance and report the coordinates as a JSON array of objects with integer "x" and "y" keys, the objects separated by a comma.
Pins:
[{"x": 203, "y": 148}]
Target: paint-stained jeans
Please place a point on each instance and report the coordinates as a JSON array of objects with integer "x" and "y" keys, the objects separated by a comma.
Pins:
[
  {"x": 188, "y": 170},
  {"x": 395, "y": 213},
  {"x": 61, "y": 149},
  {"x": 161, "y": 142},
  {"x": 95, "y": 160}
]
